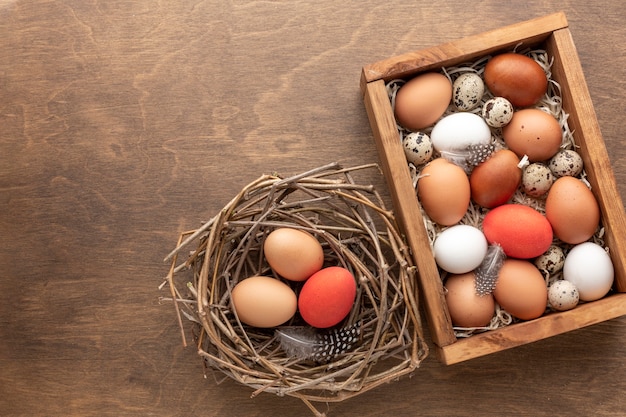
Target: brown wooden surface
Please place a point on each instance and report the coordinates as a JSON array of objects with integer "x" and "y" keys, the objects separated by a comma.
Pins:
[{"x": 125, "y": 123}]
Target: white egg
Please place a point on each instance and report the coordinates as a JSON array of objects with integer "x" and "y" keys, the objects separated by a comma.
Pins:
[
  {"x": 589, "y": 268},
  {"x": 418, "y": 148},
  {"x": 459, "y": 131},
  {"x": 563, "y": 295},
  {"x": 460, "y": 249}
]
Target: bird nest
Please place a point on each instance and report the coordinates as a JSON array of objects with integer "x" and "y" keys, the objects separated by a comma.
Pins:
[{"x": 356, "y": 232}]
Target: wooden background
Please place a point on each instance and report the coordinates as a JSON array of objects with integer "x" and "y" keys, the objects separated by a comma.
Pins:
[{"x": 123, "y": 123}]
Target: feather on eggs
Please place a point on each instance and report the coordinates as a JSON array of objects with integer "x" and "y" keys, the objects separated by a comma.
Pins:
[{"x": 487, "y": 272}]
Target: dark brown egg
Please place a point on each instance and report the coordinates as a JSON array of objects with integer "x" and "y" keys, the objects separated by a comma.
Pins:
[
  {"x": 517, "y": 78},
  {"x": 494, "y": 181}
]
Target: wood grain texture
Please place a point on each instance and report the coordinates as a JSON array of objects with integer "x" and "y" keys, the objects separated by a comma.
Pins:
[{"x": 123, "y": 123}]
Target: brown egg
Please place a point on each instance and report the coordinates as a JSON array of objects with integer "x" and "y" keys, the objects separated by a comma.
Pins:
[
  {"x": 466, "y": 307},
  {"x": 422, "y": 100},
  {"x": 572, "y": 210},
  {"x": 444, "y": 192},
  {"x": 533, "y": 132},
  {"x": 294, "y": 254},
  {"x": 521, "y": 289},
  {"x": 517, "y": 78},
  {"x": 263, "y": 301},
  {"x": 494, "y": 181}
]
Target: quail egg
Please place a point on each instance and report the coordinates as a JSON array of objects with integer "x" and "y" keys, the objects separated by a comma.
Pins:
[
  {"x": 418, "y": 148},
  {"x": 467, "y": 91},
  {"x": 537, "y": 179},
  {"x": 563, "y": 295},
  {"x": 566, "y": 163},
  {"x": 497, "y": 112},
  {"x": 552, "y": 260}
]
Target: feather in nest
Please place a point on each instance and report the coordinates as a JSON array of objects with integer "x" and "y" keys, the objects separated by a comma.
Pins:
[{"x": 304, "y": 342}]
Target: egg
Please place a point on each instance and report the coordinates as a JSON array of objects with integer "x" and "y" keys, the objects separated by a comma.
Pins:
[
  {"x": 497, "y": 111},
  {"x": 494, "y": 182},
  {"x": 418, "y": 148},
  {"x": 294, "y": 254},
  {"x": 572, "y": 210},
  {"x": 422, "y": 100},
  {"x": 261, "y": 301},
  {"x": 460, "y": 131},
  {"x": 516, "y": 77},
  {"x": 521, "y": 289},
  {"x": 551, "y": 261},
  {"x": 449, "y": 207},
  {"x": 459, "y": 249},
  {"x": 467, "y": 91},
  {"x": 563, "y": 295},
  {"x": 327, "y": 297},
  {"x": 534, "y": 133},
  {"x": 589, "y": 267},
  {"x": 566, "y": 163},
  {"x": 520, "y": 230},
  {"x": 466, "y": 307},
  {"x": 537, "y": 179}
]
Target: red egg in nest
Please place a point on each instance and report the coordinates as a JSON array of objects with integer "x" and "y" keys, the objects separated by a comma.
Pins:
[{"x": 327, "y": 297}]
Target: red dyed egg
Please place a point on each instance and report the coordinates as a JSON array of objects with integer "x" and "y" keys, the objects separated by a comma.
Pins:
[
  {"x": 327, "y": 297},
  {"x": 522, "y": 231}
]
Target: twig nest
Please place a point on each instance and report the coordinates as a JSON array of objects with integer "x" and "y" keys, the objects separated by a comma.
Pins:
[{"x": 381, "y": 337}]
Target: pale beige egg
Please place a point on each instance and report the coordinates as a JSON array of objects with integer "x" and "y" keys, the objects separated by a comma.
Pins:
[
  {"x": 466, "y": 307},
  {"x": 263, "y": 301},
  {"x": 293, "y": 254}
]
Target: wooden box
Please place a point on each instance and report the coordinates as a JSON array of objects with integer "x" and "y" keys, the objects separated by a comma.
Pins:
[{"x": 551, "y": 33}]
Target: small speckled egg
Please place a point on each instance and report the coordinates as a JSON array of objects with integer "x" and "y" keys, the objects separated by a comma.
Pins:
[
  {"x": 566, "y": 163},
  {"x": 418, "y": 148},
  {"x": 537, "y": 179},
  {"x": 497, "y": 112},
  {"x": 551, "y": 260},
  {"x": 467, "y": 91},
  {"x": 563, "y": 295}
]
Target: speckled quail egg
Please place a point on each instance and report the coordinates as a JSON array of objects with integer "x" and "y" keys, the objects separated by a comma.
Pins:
[
  {"x": 537, "y": 179},
  {"x": 566, "y": 163},
  {"x": 551, "y": 261},
  {"x": 467, "y": 91},
  {"x": 418, "y": 148},
  {"x": 563, "y": 295},
  {"x": 497, "y": 112}
]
